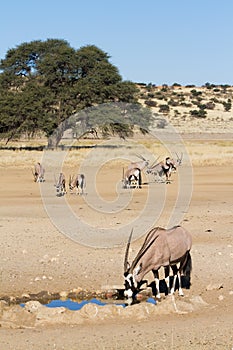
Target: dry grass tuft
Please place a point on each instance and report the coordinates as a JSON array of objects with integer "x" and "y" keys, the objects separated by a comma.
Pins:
[{"x": 200, "y": 153}]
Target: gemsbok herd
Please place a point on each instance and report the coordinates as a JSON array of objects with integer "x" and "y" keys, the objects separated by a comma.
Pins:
[
  {"x": 162, "y": 248},
  {"x": 161, "y": 171},
  {"x": 132, "y": 176}
]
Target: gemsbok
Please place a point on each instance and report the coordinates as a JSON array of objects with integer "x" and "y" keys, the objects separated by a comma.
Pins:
[
  {"x": 60, "y": 185},
  {"x": 78, "y": 183},
  {"x": 132, "y": 178},
  {"x": 161, "y": 169},
  {"x": 161, "y": 248},
  {"x": 179, "y": 159},
  {"x": 139, "y": 165},
  {"x": 38, "y": 172}
]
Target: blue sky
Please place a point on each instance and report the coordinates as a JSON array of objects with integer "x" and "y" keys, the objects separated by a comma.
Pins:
[{"x": 150, "y": 41}]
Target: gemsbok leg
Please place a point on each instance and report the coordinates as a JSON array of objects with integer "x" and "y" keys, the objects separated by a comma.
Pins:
[
  {"x": 167, "y": 280},
  {"x": 156, "y": 277},
  {"x": 184, "y": 268}
]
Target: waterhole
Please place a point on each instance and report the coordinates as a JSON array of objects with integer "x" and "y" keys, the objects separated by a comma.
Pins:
[
  {"x": 75, "y": 301},
  {"x": 75, "y": 305}
]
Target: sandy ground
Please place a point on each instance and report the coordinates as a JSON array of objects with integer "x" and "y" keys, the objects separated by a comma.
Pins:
[{"x": 35, "y": 256}]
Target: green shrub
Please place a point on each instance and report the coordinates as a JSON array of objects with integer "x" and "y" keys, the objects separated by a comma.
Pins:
[
  {"x": 151, "y": 103},
  {"x": 176, "y": 84},
  {"x": 201, "y": 106},
  {"x": 201, "y": 113},
  {"x": 186, "y": 104},
  {"x": 164, "y": 109},
  {"x": 151, "y": 95},
  {"x": 227, "y": 105},
  {"x": 160, "y": 96},
  {"x": 173, "y": 103},
  {"x": 195, "y": 92}
]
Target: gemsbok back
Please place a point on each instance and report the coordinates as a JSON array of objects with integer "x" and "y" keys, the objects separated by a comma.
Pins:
[
  {"x": 161, "y": 248},
  {"x": 78, "y": 183}
]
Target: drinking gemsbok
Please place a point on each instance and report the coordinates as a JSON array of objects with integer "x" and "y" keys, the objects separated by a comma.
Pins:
[
  {"x": 161, "y": 248},
  {"x": 60, "y": 185},
  {"x": 132, "y": 178},
  {"x": 38, "y": 172}
]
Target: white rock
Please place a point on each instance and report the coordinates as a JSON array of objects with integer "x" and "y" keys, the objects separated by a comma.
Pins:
[
  {"x": 33, "y": 306},
  {"x": 63, "y": 294},
  {"x": 214, "y": 286},
  {"x": 25, "y": 295}
]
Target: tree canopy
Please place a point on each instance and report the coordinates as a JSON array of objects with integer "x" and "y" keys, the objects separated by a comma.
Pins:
[{"x": 42, "y": 83}]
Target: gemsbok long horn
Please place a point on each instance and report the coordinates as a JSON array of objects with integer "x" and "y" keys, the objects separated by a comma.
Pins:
[
  {"x": 140, "y": 156},
  {"x": 179, "y": 159},
  {"x": 155, "y": 162},
  {"x": 127, "y": 251}
]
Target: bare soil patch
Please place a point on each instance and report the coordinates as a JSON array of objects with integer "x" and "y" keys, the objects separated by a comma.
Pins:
[{"x": 36, "y": 257}]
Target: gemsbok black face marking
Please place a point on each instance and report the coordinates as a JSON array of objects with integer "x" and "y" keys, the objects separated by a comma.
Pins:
[{"x": 161, "y": 248}]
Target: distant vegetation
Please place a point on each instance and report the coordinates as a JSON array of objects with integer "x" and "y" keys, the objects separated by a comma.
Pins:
[
  {"x": 196, "y": 101},
  {"x": 44, "y": 85}
]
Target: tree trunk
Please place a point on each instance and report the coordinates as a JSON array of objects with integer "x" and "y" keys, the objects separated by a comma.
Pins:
[{"x": 56, "y": 136}]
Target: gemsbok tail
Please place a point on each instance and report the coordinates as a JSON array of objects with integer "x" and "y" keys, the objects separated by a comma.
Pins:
[
  {"x": 186, "y": 271},
  {"x": 140, "y": 179}
]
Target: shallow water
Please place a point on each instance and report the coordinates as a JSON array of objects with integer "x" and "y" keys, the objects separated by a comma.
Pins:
[{"x": 74, "y": 305}]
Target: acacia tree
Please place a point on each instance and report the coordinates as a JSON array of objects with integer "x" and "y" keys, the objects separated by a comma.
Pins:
[
  {"x": 43, "y": 83},
  {"x": 111, "y": 119}
]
